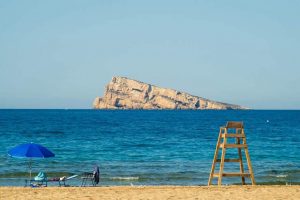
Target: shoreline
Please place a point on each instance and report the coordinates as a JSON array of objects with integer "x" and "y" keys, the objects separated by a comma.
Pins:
[{"x": 153, "y": 192}]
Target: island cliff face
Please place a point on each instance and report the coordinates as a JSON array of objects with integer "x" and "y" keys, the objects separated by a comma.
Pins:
[{"x": 124, "y": 93}]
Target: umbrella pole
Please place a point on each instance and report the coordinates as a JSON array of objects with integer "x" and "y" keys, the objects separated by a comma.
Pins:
[{"x": 30, "y": 163}]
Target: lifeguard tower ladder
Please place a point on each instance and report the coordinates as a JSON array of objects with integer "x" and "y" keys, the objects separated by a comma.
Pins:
[{"x": 239, "y": 135}]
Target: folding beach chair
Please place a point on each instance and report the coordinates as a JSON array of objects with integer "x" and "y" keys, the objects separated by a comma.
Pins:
[
  {"x": 87, "y": 176},
  {"x": 94, "y": 177},
  {"x": 38, "y": 181}
]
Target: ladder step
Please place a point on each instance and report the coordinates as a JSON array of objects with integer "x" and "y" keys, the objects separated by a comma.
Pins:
[
  {"x": 233, "y": 174},
  {"x": 233, "y": 135},
  {"x": 229, "y": 160},
  {"x": 233, "y": 145}
]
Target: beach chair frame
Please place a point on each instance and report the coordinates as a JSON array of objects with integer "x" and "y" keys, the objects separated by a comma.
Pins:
[
  {"x": 87, "y": 176},
  {"x": 61, "y": 182},
  {"x": 39, "y": 183}
]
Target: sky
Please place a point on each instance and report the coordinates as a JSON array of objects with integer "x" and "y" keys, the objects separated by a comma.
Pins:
[{"x": 61, "y": 54}]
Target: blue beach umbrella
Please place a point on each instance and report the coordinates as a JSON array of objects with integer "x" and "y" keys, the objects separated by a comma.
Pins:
[{"x": 30, "y": 151}]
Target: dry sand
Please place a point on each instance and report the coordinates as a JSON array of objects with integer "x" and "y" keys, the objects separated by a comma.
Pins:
[{"x": 153, "y": 192}]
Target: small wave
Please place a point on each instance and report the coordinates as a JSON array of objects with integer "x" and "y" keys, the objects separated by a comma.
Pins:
[
  {"x": 281, "y": 176},
  {"x": 42, "y": 132},
  {"x": 125, "y": 178},
  {"x": 26, "y": 174}
]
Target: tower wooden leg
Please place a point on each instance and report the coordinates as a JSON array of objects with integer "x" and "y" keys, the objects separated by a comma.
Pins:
[
  {"x": 250, "y": 166},
  {"x": 241, "y": 161},
  {"x": 222, "y": 162},
  {"x": 249, "y": 163},
  {"x": 215, "y": 159}
]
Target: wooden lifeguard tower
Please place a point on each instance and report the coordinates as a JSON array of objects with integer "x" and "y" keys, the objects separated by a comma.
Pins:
[{"x": 231, "y": 130}]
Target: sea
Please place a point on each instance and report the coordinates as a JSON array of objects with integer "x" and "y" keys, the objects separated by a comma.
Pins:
[{"x": 148, "y": 147}]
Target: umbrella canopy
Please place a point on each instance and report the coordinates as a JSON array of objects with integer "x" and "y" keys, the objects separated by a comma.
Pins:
[{"x": 30, "y": 150}]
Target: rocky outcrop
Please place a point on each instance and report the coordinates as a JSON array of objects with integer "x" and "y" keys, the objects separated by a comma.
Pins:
[{"x": 124, "y": 93}]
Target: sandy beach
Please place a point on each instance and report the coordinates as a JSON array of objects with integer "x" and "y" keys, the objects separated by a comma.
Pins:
[{"x": 153, "y": 192}]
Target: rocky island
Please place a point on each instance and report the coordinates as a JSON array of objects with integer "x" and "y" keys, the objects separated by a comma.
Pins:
[{"x": 125, "y": 93}]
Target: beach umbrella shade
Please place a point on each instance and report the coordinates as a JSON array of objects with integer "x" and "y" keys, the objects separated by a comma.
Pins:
[{"x": 30, "y": 151}]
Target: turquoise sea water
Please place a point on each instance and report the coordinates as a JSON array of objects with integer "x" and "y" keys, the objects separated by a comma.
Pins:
[{"x": 148, "y": 147}]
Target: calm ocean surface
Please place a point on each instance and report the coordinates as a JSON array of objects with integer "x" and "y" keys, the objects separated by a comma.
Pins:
[{"x": 148, "y": 147}]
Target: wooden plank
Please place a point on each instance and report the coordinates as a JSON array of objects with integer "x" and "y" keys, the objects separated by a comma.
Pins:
[
  {"x": 222, "y": 161},
  {"x": 235, "y": 174},
  {"x": 232, "y": 124},
  {"x": 249, "y": 162},
  {"x": 233, "y": 135},
  {"x": 215, "y": 159},
  {"x": 241, "y": 161},
  {"x": 222, "y": 128},
  {"x": 229, "y": 160},
  {"x": 233, "y": 145}
]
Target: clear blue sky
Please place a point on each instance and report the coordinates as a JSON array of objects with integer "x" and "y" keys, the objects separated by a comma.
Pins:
[{"x": 61, "y": 54}]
